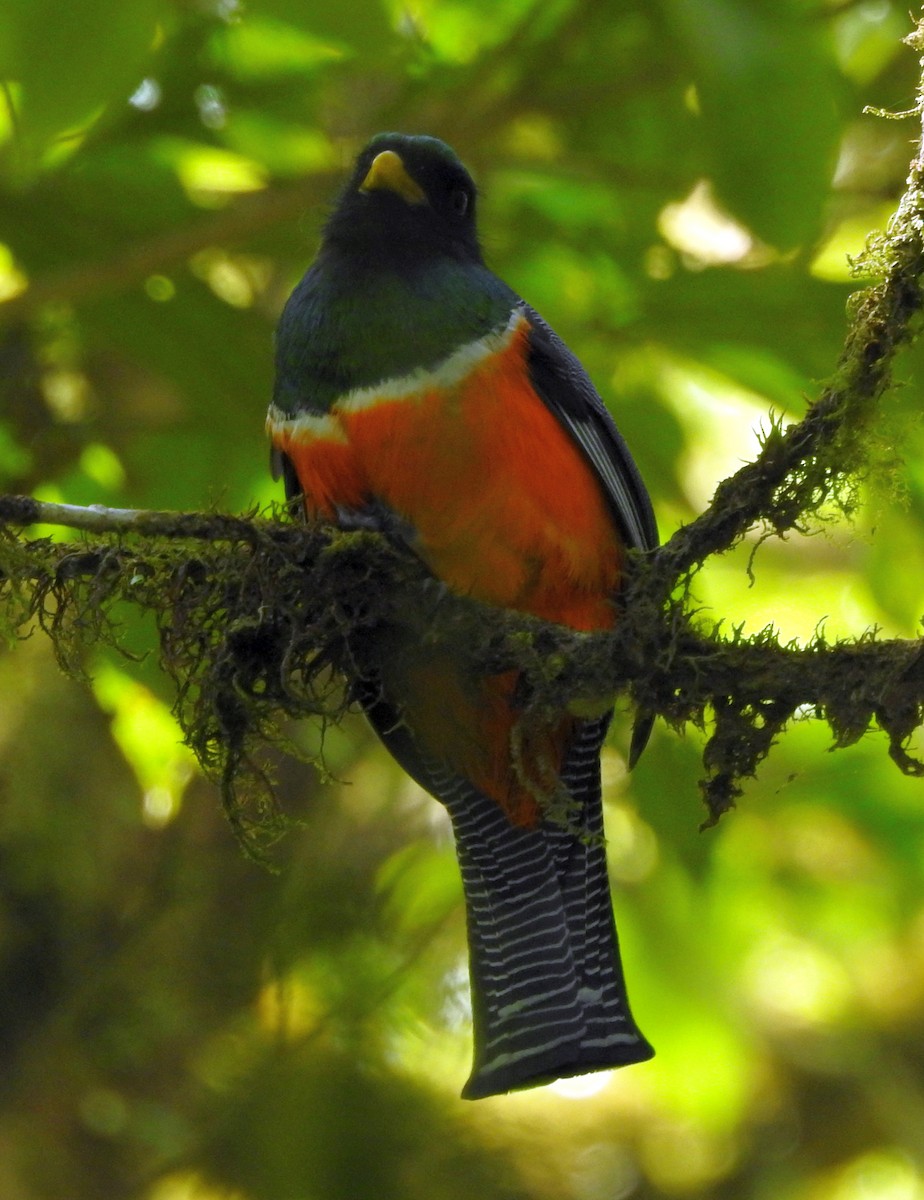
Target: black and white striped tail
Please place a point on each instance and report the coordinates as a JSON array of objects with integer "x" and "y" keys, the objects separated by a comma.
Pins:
[{"x": 548, "y": 994}]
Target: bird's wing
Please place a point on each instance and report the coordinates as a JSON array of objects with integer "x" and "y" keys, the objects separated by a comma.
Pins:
[{"x": 566, "y": 389}]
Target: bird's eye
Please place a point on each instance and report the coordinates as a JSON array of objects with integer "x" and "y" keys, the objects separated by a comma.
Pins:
[{"x": 459, "y": 202}]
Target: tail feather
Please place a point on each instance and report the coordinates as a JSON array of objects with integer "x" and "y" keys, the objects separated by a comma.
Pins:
[
  {"x": 548, "y": 993},
  {"x": 584, "y": 882}
]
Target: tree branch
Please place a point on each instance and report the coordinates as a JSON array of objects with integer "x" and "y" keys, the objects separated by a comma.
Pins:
[
  {"x": 260, "y": 629},
  {"x": 810, "y": 462}
]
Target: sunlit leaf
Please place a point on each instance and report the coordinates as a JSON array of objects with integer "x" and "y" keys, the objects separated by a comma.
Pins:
[
  {"x": 72, "y": 60},
  {"x": 763, "y": 82}
]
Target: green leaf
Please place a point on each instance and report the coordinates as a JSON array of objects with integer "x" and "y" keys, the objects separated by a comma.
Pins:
[
  {"x": 763, "y": 77},
  {"x": 362, "y": 26},
  {"x": 100, "y": 48}
]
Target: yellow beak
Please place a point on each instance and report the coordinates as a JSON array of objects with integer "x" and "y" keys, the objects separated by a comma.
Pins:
[{"x": 388, "y": 172}]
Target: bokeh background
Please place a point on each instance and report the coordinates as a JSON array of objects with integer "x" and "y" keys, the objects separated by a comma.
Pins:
[{"x": 677, "y": 185}]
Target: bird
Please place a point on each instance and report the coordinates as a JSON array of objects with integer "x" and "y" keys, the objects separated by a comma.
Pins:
[{"x": 416, "y": 394}]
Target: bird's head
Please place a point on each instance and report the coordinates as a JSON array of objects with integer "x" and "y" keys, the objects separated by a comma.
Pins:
[{"x": 409, "y": 200}]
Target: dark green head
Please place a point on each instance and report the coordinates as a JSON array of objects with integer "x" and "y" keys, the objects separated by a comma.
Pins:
[
  {"x": 408, "y": 201},
  {"x": 399, "y": 282}
]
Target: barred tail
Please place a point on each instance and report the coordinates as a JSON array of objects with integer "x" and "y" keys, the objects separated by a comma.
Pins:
[{"x": 548, "y": 994}]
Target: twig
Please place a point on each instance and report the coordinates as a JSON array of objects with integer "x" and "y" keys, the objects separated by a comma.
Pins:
[{"x": 97, "y": 518}]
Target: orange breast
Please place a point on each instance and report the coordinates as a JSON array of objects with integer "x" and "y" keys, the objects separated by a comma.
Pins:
[
  {"x": 505, "y": 509},
  {"x": 505, "y": 506}
]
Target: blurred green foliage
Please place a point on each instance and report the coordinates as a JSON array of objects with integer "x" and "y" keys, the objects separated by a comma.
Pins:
[{"x": 676, "y": 185}]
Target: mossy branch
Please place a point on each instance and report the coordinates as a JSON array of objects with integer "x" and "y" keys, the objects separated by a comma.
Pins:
[
  {"x": 811, "y": 463},
  {"x": 260, "y": 619}
]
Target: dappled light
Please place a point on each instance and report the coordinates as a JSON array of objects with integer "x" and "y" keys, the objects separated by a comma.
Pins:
[{"x": 686, "y": 192}]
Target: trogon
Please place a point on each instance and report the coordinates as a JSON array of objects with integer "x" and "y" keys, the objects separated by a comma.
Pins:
[{"x": 418, "y": 395}]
